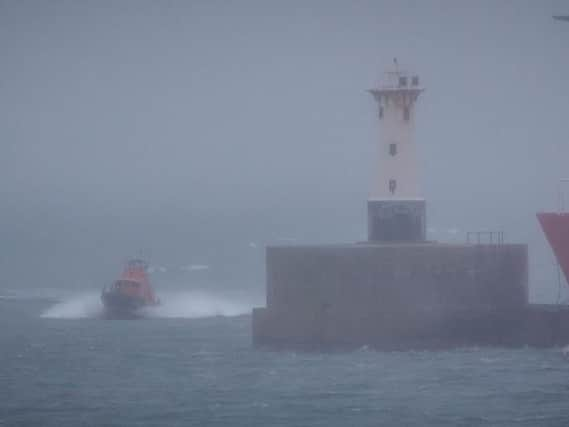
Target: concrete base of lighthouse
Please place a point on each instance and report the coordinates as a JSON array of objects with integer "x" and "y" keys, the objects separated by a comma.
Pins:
[
  {"x": 396, "y": 220},
  {"x": 402, "y": 296}
]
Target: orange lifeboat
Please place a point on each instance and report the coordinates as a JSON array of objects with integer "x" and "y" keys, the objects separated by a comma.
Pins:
[{"x": 131, "y": 292}]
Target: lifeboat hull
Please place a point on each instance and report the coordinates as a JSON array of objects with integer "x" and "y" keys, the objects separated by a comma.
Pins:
[
  {"x": 118, "y": 305},
  {"x": 132, "y": 292}
]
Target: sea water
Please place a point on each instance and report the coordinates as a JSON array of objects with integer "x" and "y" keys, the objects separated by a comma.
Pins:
[{"x": 191, "y": 363}]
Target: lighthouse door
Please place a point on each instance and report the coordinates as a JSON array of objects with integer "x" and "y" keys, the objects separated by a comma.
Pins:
[
  {"x": 396, "y": 221},
  {"x": 403, "y": 227}
]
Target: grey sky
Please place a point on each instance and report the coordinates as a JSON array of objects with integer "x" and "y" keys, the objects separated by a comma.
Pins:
[{"x": 259, "y": 108}]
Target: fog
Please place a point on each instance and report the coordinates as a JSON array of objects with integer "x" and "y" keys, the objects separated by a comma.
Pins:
[{"x": 202, "y": 131}]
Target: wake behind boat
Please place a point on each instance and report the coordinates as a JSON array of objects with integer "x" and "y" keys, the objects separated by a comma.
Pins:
[{"x": 130, "y": 293}]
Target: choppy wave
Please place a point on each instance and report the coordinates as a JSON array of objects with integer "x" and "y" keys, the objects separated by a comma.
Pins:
[
  {"x": 195, "y": 267},
  {"x": 30, "y": 294}
]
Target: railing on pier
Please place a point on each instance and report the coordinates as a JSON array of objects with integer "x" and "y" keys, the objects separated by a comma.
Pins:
[{"x": 485, "y": 237}]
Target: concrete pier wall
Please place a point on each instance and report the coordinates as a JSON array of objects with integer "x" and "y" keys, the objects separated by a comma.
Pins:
[
  {"x": 534, "y": 325},
  {"x": 396, "y": 295},
  {"x": 390, "y": 277}
]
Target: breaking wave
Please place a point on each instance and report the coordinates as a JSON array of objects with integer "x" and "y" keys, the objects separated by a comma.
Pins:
[
  {"x": 197, "y": 304},
  {"x": 75, "y": 307},
  {"x": 190, "y": 304}
]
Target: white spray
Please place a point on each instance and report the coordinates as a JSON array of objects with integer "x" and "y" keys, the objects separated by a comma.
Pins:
[{"x": 173, "y": 304}]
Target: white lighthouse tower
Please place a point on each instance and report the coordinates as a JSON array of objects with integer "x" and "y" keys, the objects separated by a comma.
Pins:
[{"x": 396, "y": 210}]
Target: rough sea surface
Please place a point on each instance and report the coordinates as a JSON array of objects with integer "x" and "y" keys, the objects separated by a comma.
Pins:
[{"x": 62, "y": 366}]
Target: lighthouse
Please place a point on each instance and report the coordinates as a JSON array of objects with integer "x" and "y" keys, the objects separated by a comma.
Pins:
[
  {"x": 396, "y": 208},
  {"x": 398, "y": 291}
]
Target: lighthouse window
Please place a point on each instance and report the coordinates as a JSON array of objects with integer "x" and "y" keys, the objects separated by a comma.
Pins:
[
  {"x": 392, "y": 149},
  {"x": 406, "y": 113},
  {"x": 392, "y": 186},
  {"x": 381, "y": 112},
  {"x": 415, "y": 81},
  {"x": 402, "y": 81}
]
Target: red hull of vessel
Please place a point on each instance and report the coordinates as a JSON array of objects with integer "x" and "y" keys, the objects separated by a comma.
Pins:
[{"x": 556, "y": 228}]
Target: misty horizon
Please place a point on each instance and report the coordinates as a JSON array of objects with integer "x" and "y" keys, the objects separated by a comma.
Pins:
[{"x": 179, "y": 126}]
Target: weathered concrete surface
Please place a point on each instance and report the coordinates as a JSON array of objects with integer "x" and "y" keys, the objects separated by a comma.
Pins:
[
  {"x": 394, "y": 277},
  {"x": 420, "y": 295}
]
